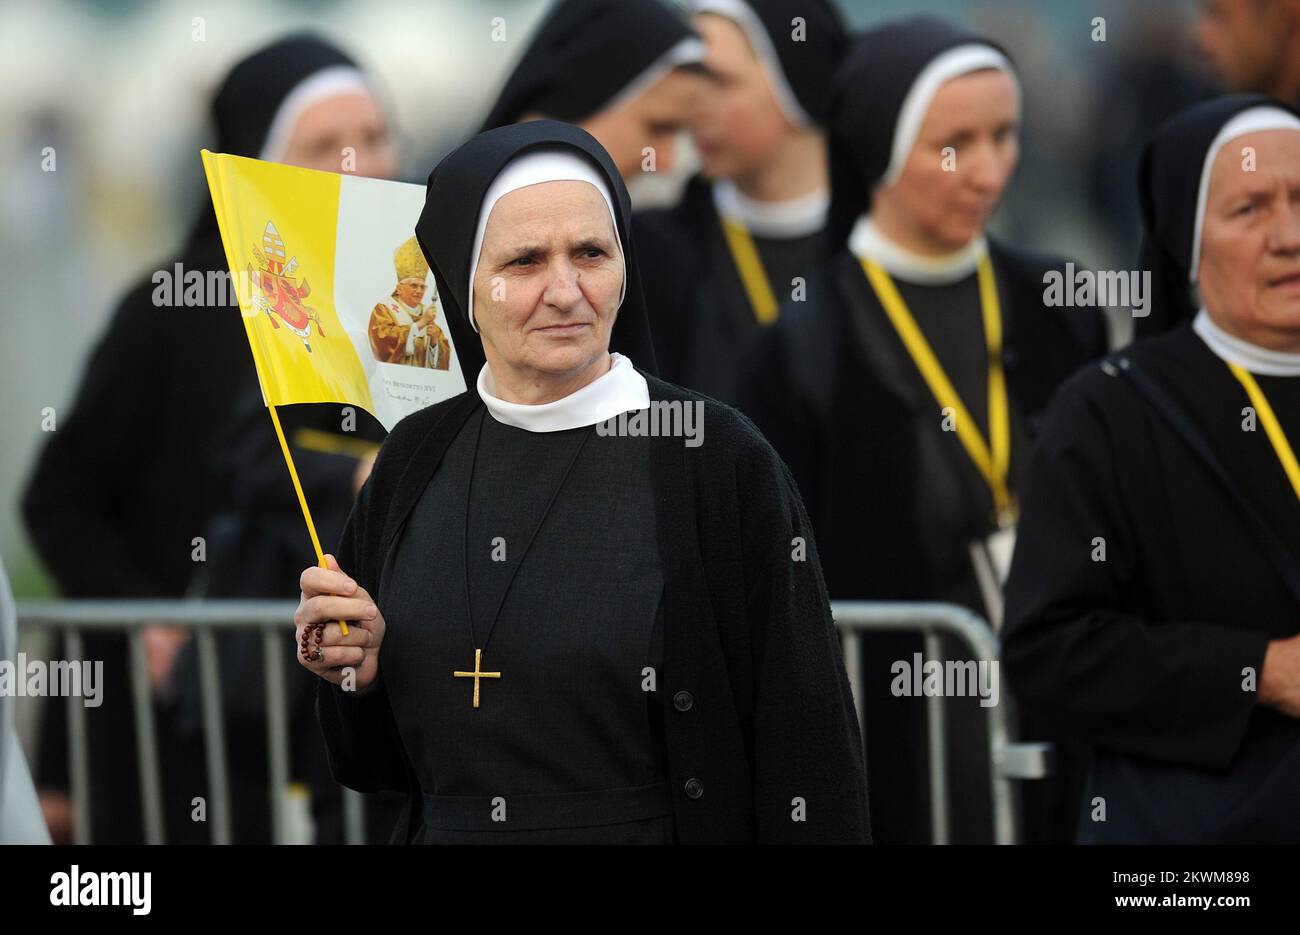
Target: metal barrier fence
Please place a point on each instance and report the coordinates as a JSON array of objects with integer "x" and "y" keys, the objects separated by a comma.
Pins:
[
  {"x": 203, "y": 617},
  {"x": 1007, "y": 760}
]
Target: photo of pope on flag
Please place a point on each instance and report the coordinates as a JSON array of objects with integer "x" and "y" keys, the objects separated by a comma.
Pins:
[{"x": 310, "y": 253}]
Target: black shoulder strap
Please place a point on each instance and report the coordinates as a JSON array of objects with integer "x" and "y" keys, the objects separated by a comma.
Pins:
[{"x": 1155, "y": 394}]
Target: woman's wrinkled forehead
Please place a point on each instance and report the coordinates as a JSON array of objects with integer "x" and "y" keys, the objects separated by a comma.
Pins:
[
  {"x": 1239, "y": 159},
  {"x": 550, "y": 164},
  {"x": 536, "y": 209}
]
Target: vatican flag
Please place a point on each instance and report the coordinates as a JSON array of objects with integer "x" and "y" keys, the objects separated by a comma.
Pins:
[
  {"x": 335, "y": 293},
  {"x": 337, "y": 299}
]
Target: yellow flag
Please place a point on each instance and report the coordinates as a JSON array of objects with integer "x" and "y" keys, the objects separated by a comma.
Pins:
[
  {"x": 336, "y": 296},
  {"x": 337, "y": 300}
]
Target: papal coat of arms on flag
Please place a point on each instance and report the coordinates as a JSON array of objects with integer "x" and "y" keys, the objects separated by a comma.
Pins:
[{"x": 278, "y": 295}]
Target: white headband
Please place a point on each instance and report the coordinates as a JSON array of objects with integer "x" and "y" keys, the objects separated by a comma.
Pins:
[
  {"x": 338, "y": 79},
  {"x": 533, "y": 168},
  {"x": 743, "y": 15},
  {"x": 689, "y": 51},
  {"x": 954, "y": 63},
  {"x": 1248, "y": 121}
]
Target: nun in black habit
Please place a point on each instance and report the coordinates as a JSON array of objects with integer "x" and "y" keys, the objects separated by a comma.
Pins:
[
  {"x": 1154, "y": 597},
  {"x": 718, "y": 264},
  {"x": 905, "y": 391},
  {"x": 131, "y": 484},
  {"x": 586, "y": 636}
]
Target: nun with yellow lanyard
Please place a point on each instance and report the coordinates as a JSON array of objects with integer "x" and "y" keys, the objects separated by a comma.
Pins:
[
  {"x": 905, "y": 391},
  {"x": 1154, "y": 598}
]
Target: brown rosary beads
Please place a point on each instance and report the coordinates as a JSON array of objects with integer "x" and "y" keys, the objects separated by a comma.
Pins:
[{"x": 316, "y": 654}]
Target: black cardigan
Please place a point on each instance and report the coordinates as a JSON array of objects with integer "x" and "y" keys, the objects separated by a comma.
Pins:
[{"x": 758, "y": 715}]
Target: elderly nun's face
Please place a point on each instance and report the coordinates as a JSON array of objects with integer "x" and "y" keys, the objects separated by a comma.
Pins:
[
  {"x": 1249, "y": 273},
  {"x": 548, "y": 280}
]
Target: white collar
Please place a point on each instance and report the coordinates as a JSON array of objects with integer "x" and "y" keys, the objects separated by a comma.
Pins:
[
  {"x": 1249, "y": 356},
  {"x": 867, "y": 241},
  {"x": 779, "y": 220},
  {"x": 619, "y": 389}
]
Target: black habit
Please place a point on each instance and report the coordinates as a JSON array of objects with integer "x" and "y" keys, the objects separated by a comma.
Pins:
[
  {"x": 575, "y": 659},
  {"x": 755, "y": 702},
  {"x": 1145, "y": 650}
]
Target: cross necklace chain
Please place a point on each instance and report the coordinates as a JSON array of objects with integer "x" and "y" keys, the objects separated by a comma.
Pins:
[{"x": 478, "y": 672}]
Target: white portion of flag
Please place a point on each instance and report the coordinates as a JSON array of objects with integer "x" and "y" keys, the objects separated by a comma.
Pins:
[{"x": 375, "y": 218}]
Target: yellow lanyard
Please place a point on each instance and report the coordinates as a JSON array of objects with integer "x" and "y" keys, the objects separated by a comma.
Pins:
[
  {"x": 992, "y": 460},
  {"x": 1272, "y": 427},
  {"x": 761, "y": 298}
]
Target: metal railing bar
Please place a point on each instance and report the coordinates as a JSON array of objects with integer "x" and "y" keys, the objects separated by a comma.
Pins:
[
  {"x": 936, "y": 733},
  {"x": 354, "y": 817},
  {"x": 78, "y": 751},
  {"x": 133, "y": 614},
  {"x": 277, "y": 725},
  {"x": 851, "y": 643},
  {"x": 214, "y": 738},
  {"x": 146, "y": 741}
]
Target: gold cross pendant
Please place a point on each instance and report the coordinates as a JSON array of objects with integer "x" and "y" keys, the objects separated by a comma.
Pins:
[{"x": 477, "y": 674}]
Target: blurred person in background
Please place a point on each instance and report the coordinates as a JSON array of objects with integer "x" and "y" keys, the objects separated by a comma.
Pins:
[
  {"x": 752, "y": 222},
  {"x": 905, "y": 392},
  {"x": 1253, "y": 45},
  {"x": 1152, "y": 76},
  {"x": 120, "y": 495},
  {"x": 626, "y": 71}
]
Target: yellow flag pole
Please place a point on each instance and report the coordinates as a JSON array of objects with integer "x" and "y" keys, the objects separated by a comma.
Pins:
[{"x": 302, "y": 499}]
